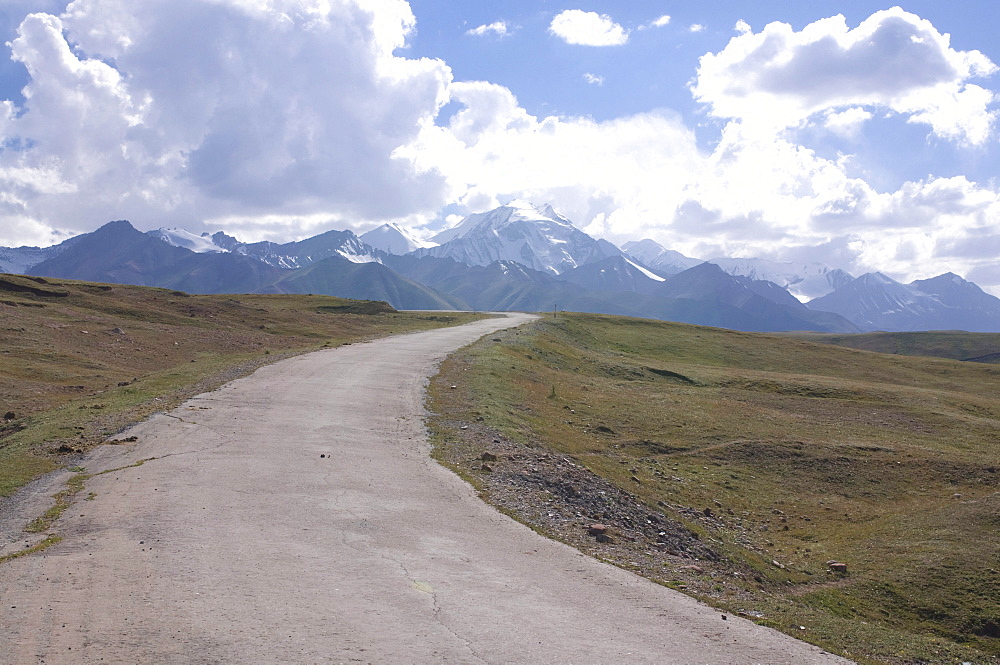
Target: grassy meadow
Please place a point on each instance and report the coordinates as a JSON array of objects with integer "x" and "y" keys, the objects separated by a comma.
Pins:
[
  {"x": 778, "y": 455},
  {"x": 80, "y": 361},
  {"x": 975, "y": 347}
]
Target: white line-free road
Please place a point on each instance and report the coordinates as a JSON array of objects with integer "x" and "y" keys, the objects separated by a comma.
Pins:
[{"x": 294, "y": 516}]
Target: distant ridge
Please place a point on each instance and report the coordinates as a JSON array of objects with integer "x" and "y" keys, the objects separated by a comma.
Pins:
[
  {"x": 118, "y": 253},
  {"x": 874, "y": 301},
  {"x": 519, "y": 257}
]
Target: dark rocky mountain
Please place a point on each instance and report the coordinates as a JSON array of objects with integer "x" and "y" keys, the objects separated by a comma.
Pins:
[
  {"x": 946, "y": 302},
  {"x": 119, "y": 254},
  {"x": 302, "y": 253},
  {"x": 763, "y": 306},
  {"x": 219, "y": 273},
  {"x": 338, "y": 276},
  {"x": 959, "y": 294},
  {"x": 507, "y": 285},
  {"x": 115, "y": 253},
  {"x": 707, "y": 281},
  {"x": 614, "y": 273}
]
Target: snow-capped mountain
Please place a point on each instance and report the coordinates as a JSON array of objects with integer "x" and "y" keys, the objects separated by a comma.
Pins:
[
  {"x": 805, "y": 281},
  {"x": 615, "y": 273},
  {"x": 280, "y": 255},
  {"x": 657, "y": 257},
  {"x": 199, "y": 244},
  {"x": 946, "y": 302},
  {"x": 391, "y": 238},
  {"x": 537, "y": 237},
  {"x": 517, "y": 256},
  {"x": 874, "y": 302},
  {"x": 18, "y": 260},
  {"x": 305, "y": 252},
  {"x": 954, "y": 291}
]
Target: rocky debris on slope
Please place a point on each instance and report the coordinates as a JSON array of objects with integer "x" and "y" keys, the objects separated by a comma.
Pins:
[{"x": 565, "y": 501}]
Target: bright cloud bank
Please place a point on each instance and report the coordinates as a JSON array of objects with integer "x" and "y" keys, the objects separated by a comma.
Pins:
[{"x": 284, "y": 118}]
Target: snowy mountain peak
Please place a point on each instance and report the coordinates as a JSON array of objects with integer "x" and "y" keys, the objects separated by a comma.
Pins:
[
  {"x": 535, "y": 236},
  {"x": 200, "y": 244},
  {"x": 521, "y": 204},
  {"x": 947, "y": 281},
  {"x": 499, "y": 218},
  {"x": 289, "y": 256},
  {"x": 394, "y": 239},
  {"x": 528, "y": 210},
  {"x": 657, "y": 257},
  {"x": 946, "y": 302},
  {"x": 954, "y": 290},
  {"x": 805, "y": 281}
]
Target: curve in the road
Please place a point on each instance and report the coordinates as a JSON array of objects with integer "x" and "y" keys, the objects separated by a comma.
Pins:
[{"x": 295, "y": 516}]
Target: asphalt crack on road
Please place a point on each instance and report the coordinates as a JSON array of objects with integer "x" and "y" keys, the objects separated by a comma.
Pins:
[{"x": 436, "y": 609}]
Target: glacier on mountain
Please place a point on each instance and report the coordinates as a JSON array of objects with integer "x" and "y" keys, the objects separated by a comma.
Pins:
[
  {"x": 655, "y": 256},
  {"x": 288, "y": 256},
  {"x": 535, "y": 236},
  {"x": 805, "y": 281},
  {"x": 200, "y": 244},
  {"x": 394, "y": 239}
]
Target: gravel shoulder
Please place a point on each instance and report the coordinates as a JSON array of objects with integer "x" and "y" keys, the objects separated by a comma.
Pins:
[{"x": 296, "y": 516}]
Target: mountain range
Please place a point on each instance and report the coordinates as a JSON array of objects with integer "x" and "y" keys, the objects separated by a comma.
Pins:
[{"x": 518, "y": 257}]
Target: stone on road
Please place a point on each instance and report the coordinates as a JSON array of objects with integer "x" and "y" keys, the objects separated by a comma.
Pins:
[{"x": 295, "y": 516}]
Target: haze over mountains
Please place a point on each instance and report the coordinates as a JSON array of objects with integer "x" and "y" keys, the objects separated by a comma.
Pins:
[{"x": 518, "y": 257}]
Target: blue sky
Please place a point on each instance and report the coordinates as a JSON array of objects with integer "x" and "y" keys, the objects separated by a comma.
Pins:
[
  {"x": 654, "y": 69},
  {"x": 771, "y": 129}
]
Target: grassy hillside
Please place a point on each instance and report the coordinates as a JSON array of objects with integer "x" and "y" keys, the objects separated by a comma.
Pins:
[
  {"x": 953, "y": 344},
  {"x": 79, "y": 361},
  {"x": 735, "y": 466}
]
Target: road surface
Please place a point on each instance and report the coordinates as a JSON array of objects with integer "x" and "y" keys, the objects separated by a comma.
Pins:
[{"x": 294, "y": 516}]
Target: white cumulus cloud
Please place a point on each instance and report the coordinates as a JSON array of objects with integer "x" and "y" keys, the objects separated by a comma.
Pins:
[
  {"x": 498, "y": 28},
  {"x": 847, "y": 123},
  {"x": 894, "y": 60},
  {"x": 575, "y": 26},
  {"x": 656, "y": 23},
  {"x": 593, "y": 79},
  {"x": 196, "y": 109}
]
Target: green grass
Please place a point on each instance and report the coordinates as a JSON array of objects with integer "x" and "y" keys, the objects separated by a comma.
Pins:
[
  {"x": 81, "y": 361},
  {"x": 47, "y": 542},
  {"x": 805, "y": 452},
  {"x": 956, "y": 345}
]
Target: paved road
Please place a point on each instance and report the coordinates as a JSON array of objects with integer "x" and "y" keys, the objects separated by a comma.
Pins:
[{"x": 295, "y": 517}]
